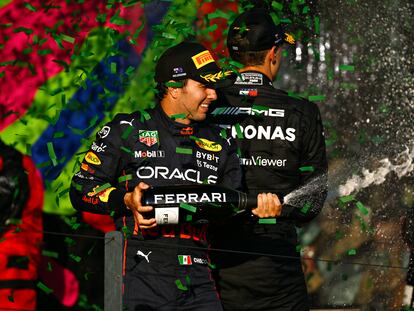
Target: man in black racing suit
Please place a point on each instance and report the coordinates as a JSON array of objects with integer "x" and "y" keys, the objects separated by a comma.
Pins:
[
  {"x": 166, "y": 267},
  {"x": 281, "y": 144}
]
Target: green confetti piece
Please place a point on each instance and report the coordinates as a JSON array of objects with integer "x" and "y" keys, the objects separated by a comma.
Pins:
[
  {"x": 347, "y": 198},
  {"x": 50, "y": 254},
  {"x": 2, "y": 74},
  {"x": 362, "y": 208},
  {"x": 238, "y": 131},
  {"x": 188, "y": 207},
  {"x": 127, "y": 132},
  {"x": 194, "y": 138},
  {"x": 126, "y": 150},
  {"x": 174, "y": 84},
  {"x": 59, "y": 134},
  {"x": 189, "y": 218},
  {"x": 27, "y": 31},
  {"x": 305, "y": 10},
  {"x": 102, "y": 188},
  {"x": 125, "y": 178},
  {"x": 180, "y": 285},
  {"x": 306, "y": 208},
  {"x": 352, "y": 252},
  {"x": 77, "y": 186},
  {"x": 286, "y": 20},
  {"x": 178, "y": 116},
  {"x": 129, "y": 70},
  {"x": 113, "y": 68},
  {"x": 145, "y": 114},
  {"x": 306, "y": 169},
  {"x": 183, "y": 150},
  {"x": 75, "y": 258},
  {"x": 67, "y": 38},
  {"x": 69, "y": 241},
  {"x": 277, "y": 6},
  {"x": 314, "y": 98},
  {"x": 317, "y": 24},
  {"x": 211, "y": 265},
  {"x": 44, "y": 52},
  {"x": 267, "y": 221},
  {"x": 218, "y": 14},
  {"x": 236, "y": 64},
  {"x": 52, "y": 154},
  {"x": 223, "y": 133},
  {"x": 346, "y": 67},
  {"x": 44, "y": 288},
  {"x": 298, "y": 248}
]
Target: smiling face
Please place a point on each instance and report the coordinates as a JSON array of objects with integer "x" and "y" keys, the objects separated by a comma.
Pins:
[{"x": 193, "y": 100}]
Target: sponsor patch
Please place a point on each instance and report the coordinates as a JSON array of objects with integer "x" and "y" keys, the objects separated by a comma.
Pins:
[
  {"x": 202, "y": 59},
  {"x": 150, "y": 154},
  {"x": 200, "y": 261},
  {"x": 250, "y": 78},
  {"x": 259, "y": 161},
  {"x": 251, "y": 111},
  {"x": 178, "y": 72},
  {"x": 103, "y": 195},
  {"x": 208, "y": 145},
  {"x": 104, "y": 131},
  {"x": 265, "y": 132},
  {"x": 87, "y": 168},
  {"x": 248, "y": 92},
  {"x": 187, "y": 131},
  {"x": 98, "y": 148},
  {"x": 148, "y": 172},
  {"x": 207, "y": 156},
  {"x": 148, "y": 138},
  {"x": 214, "y": 77},
  {"x": 92, "y": 158},
  {"x": 80, "y": 175},
  {"x": 184, "y": 260}
]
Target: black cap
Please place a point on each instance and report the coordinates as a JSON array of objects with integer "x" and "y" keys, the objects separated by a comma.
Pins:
[
  {"x": 258, "y": 28},
  {"x": 191, "y": 60}
]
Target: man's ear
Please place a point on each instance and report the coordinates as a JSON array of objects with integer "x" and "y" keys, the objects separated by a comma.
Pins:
[{"x": 274, "y": 51}]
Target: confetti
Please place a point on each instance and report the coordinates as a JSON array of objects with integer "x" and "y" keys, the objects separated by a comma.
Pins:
[
  {"x": 238, "y": 131},
  {"x": 347, "y": 67},
  {"x": 306, "y": 169},
  {"x": 52, "y": 154},
  {"x": 362, "y": 208},
  {"x": 178, "y": 116},
  {"x": 306, "y": 208},
  {"x": 102, "y": 188},
  {"x": 75, "y": 258},
  {"x": 183, "y": 150},
  {"x": 277, "y": 6},
  {"x": 180, "y": 285},
  {"x": 314, "y": 98},
  {"x": 50, "y": 254},
  {"x": 125, "y": 178},
  {"x": 44, "y": 288},
  {"x": 267, "y": 221},
  {"x": 174, "y": 84},
  {"x": 352, "y": 252},
  {"x": 188, "y": 207},
  {"x": 346, "y": 199}
]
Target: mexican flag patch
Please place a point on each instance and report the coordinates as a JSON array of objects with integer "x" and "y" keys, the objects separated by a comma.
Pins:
[{"x": 184, "y": 260}]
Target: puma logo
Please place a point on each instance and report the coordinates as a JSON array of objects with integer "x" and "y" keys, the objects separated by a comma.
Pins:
[
  {"x": 126, "y": 122},
  {"x": 139, "y": 253}
]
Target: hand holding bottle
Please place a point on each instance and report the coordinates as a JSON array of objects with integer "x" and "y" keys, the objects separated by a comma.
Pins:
[
  {"x": 268, "y": 205},
  {"x": 133, "y": 202}
]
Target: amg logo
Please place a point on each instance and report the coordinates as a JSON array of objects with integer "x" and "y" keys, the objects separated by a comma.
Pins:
[
  {"x": 251, "y": 111},
  {"x": 172, "y": 198},
  {"x": 265, "y": 132},
  {"x": 148, "y": 172}
]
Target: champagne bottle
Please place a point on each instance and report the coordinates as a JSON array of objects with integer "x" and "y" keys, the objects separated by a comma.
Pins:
[{"x": 194, "y": 203}]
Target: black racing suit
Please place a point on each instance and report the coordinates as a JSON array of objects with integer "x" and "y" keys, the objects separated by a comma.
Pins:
[
  {"x": 281, "y": 145},
  {"x": 166, "y": 266}
]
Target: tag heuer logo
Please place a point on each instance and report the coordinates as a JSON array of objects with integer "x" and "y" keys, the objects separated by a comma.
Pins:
[{"x": 148, "y": 138}]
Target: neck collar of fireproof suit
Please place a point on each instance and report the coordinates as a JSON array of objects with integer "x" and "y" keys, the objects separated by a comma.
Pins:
[{"x": 174, "y": 127}]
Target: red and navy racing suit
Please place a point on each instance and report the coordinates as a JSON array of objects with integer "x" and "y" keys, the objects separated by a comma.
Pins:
[
  {"x": 149, "y": 146},
  {"x": 282, "y": 147}
]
